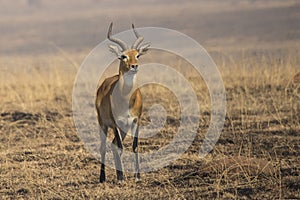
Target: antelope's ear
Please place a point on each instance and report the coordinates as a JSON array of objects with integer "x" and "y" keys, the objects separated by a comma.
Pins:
[
  {"x": 144, "y": 48},
  {"x": 115, "y": 49}
]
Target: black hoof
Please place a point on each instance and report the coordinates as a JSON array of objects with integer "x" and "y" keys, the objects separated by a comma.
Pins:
[{"x": 102, "y": 178}]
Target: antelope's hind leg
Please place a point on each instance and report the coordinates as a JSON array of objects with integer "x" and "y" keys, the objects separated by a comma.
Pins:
[{"x": 117, "y": 148}]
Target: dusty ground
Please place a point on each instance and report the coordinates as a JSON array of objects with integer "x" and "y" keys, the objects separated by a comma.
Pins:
[{"x": 257, "y": 155}]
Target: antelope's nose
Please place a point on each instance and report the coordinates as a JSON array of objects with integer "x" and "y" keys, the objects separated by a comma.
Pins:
[{"x": 134, "y": 67}]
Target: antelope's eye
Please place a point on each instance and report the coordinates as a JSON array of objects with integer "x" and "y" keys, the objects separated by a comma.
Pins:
[
  {"x": 123, "y": 57},
  {"x": 137, "y": 56}
]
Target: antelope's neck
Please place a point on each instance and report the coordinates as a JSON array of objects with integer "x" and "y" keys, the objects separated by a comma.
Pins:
[{"x": 127, "y": 83}]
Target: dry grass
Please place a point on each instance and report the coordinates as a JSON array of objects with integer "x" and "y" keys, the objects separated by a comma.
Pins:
[
  {"x": 257, "y": 155},
  {"x": 256, "y": 47}
]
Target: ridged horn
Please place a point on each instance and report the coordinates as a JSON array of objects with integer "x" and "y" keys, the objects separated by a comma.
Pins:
[
  {"x": 122, "y": 44},
  {"x": 139, "y": 39}
]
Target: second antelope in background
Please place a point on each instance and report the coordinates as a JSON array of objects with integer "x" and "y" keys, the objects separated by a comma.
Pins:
[{"x": 119, "y": 102}]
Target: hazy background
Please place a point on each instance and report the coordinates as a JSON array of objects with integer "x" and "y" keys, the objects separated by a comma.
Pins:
[{"x": 35, "y": 27}]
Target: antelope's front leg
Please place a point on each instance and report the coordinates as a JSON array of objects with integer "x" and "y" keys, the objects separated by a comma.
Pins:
[
  {"x": 103, "y": 137},
  {"x": 135, "y": 132}
]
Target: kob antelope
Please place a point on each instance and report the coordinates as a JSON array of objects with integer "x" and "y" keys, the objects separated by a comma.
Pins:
[{"x": 119, "y": 102}]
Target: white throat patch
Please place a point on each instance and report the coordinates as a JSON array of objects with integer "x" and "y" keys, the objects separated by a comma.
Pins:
[{"x": 129, "y": 78}]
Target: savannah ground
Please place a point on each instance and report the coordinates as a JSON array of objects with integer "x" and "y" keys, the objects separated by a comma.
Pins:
[{"x": 256, "y": 157}]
